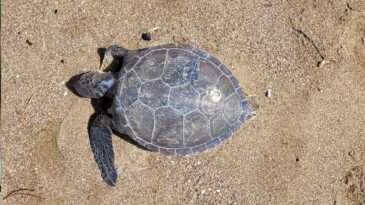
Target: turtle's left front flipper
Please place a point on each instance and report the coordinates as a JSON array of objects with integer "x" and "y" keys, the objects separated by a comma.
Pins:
[
  {"x": 112, "y": 58},
  {"x": 101, "y": 144}
]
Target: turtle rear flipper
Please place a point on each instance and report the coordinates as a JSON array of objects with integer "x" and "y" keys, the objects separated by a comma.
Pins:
[
  {"x": 252, "y": 99},
  {"x": 100, "y": 135}
]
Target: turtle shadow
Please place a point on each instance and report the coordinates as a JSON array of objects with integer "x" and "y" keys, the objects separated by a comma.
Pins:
[{"x": 101, "y": 51}]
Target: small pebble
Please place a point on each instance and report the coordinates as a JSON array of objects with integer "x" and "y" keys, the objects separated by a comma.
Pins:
[
  {"x": 146, "y": 36},
  {"x": 55, "y": 11},
  {"x": 322, "y": 63},
  {"x": 203, "y": 192},
  {"x": 154, "y": 29},
  {"x": 28, "y": 42},
  {"x": 65, "y": 93},
  {"x": 62, "y": 61},
  {"x": 119, "y": 170},
  {"x": 268, "y": 93}
]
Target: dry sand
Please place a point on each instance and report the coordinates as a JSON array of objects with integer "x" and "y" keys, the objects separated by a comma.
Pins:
[{"x": 306, "y": 146}]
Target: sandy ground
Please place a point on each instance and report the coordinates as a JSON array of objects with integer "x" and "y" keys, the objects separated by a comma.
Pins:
[{"x": 306, "y": 146}]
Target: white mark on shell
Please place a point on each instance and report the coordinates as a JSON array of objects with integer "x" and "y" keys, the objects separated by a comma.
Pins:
[{"x": 215, "y": 95}]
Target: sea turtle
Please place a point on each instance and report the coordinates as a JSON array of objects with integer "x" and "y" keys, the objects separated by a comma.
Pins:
[{"x": 175, "y": 99}]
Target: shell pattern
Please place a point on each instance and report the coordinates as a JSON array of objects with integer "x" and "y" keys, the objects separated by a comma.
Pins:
[{"x": 178, "y": 99}]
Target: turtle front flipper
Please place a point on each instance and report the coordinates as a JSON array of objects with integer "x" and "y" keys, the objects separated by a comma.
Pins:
[
  {"x": 100, "y": 135},
  {"x": 113, "y": 57}
]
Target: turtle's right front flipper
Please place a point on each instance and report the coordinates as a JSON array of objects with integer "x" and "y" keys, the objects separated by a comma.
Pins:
[{"x": 101, "y": 144}]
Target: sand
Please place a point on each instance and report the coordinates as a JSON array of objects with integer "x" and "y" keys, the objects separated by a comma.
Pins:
[{"x": 306, "y": 145}]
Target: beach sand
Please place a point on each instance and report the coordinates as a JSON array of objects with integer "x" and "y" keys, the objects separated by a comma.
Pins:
[{"x": 306, "y": 145}]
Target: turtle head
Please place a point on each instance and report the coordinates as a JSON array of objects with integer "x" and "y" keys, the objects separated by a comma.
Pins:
[{"x": 93, "y": 84}]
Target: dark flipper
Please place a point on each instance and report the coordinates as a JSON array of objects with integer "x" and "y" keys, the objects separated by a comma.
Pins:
[
  {"x": 101, "y": 144},
  {"x": 112, "y": 58}
]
